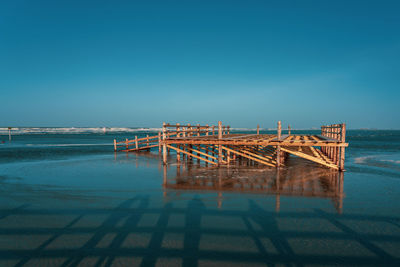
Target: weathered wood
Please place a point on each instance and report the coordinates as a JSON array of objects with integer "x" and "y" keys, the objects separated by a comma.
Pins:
[
  {"x": 278, "y": 148},
  {"x": 159, "y": 142},
  {"x": 258, "y": 156},
  {"x": 306, "y": 156},
  {"x": 247, "y": 156},
  {"x": 202, "y": 153},
  {"x": 190, "y": 154},
  {"x": 342, "y": 149},
  {"x": 140, "y": 148},
  {"x": 164, "y": 144},
  {"x": 219, "y": 147},
  {"x": 201, "y": 140}
]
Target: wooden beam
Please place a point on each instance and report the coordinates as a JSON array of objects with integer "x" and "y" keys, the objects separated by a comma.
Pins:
[
  {"x": 164, "y": 144},
  {"x": 191, "y": 155},
  {"x": 219, "y": 147},
  {"x": 311, "y": 158},
  {"x": 247, "y": 156}
]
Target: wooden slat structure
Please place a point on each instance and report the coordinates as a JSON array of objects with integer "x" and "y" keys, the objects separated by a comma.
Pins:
[{"x": 216, "y": 145}]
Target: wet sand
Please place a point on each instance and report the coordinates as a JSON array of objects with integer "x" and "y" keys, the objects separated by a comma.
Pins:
[{"x": 129, "y": 210}]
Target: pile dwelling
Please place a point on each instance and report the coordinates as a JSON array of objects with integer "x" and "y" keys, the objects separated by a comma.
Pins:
[{"x": 216, "y": 145}]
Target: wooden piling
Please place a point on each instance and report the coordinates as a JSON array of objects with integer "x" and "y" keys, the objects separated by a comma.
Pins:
[
  {"x": 115, "y": 145},
  {"x": 258, "y": 129},
  {"x": 278, "y": 148},
  {"x": 343, "y": 140},
  {"x": 159, "y": 142},
  {"x": 219, "y": 146},
  {"x": 164, "y": 144},
  {"x": 136, "y": 142}
]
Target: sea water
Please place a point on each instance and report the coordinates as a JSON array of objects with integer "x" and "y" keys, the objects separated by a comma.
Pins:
[{"x": 67, "y": 199}]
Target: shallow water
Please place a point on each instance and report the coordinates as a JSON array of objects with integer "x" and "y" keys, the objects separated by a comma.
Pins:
[{"x": 64, "y": 203}]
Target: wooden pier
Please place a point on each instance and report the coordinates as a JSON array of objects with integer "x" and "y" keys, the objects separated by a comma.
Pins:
[{"x": 216, "y": 145}]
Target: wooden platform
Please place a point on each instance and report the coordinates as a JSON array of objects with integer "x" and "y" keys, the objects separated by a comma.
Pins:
[{"x": 215, "y": 145}]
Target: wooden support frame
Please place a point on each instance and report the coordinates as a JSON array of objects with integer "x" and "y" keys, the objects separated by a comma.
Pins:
[
  {"x": 247, "y": 156},
  {"x": 269, "y": 149},
  {"x": 191, "y": 154}
]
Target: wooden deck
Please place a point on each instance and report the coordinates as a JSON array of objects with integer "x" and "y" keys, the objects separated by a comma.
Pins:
[{"x": 215, "y": 145}]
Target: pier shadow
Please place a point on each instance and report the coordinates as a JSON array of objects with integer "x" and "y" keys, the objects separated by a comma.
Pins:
[{"x": 136, "y": 233}]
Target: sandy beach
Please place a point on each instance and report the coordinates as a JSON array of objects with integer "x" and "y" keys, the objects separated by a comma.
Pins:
[{"x": 106, "y": 209}]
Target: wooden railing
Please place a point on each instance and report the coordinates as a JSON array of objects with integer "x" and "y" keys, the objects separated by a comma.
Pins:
[
  {"x": 336, "y": 132},
  {"x": 170, "y": 130},
  {"x": 189, "y": 130},
  {"x": 140, "y": 143}
]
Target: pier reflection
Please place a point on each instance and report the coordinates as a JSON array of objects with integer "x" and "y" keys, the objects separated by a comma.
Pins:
[{"x": 299, "y": 181}]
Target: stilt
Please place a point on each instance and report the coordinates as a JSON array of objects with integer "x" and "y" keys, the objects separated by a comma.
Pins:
[
  {"x": 164, "y": 144},
  {"x": 278, "y": 148},
  {"x": 219, "y": 146}
]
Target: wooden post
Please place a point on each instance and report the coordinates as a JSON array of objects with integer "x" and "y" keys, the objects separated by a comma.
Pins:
[
  {"x": 159, "y": 142},
  {"x": 126, "y": 143},
  {"x": 343, "y": 140},
  {"x": 279, "y": 130},
  {"x": 184, "y": 130},
  {"x": 330, "y": 148},
  {"x": 198, "y": 129},
  {"x": 229, "y": 129},
  {"x": 164, "y": 144},
  {"x": 189, "y": 133},
  {"x": 115, "y": 145},
  {"x": 322, "y": 134},
  {"x": 178, "y": 134},
  {"x": 219, "y": 145},
  {"x": 213, "y": 130},
  {"x": 177, "y": 130},
  {"x": 9, "y": 134},
  {"x": 258, "y": 129},
  {"x": 336, "y": 149},
  {"x": 278, "y": 148},
  {"x": 207, "y": 130},
  {"x": 289, "y": 130},
  {"x": 136, "y": 142},
  {"x": 148, "y": 142}
]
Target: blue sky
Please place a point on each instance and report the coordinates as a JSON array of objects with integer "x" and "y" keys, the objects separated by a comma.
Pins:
[{"x": 127, "y": 63}]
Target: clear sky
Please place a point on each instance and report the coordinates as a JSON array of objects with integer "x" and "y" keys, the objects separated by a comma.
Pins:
[{"x": 139, "y": 63}]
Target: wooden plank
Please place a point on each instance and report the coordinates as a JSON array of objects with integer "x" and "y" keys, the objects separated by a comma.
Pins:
[
  {"x": 202, "y": 153},
  {"x": 258, "y": 156},
  {"x": 247, "y": 156},
  {"x": 191, "y": 154},
  {"x": 306, "y": 156},
  {"x": 140, "y": 148},
  {"x": 219, "y": 147},
  {"x": 249, "y": 142}
]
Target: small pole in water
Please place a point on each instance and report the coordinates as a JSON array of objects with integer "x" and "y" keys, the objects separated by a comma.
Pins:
[{"x": 9, "y": 134}]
